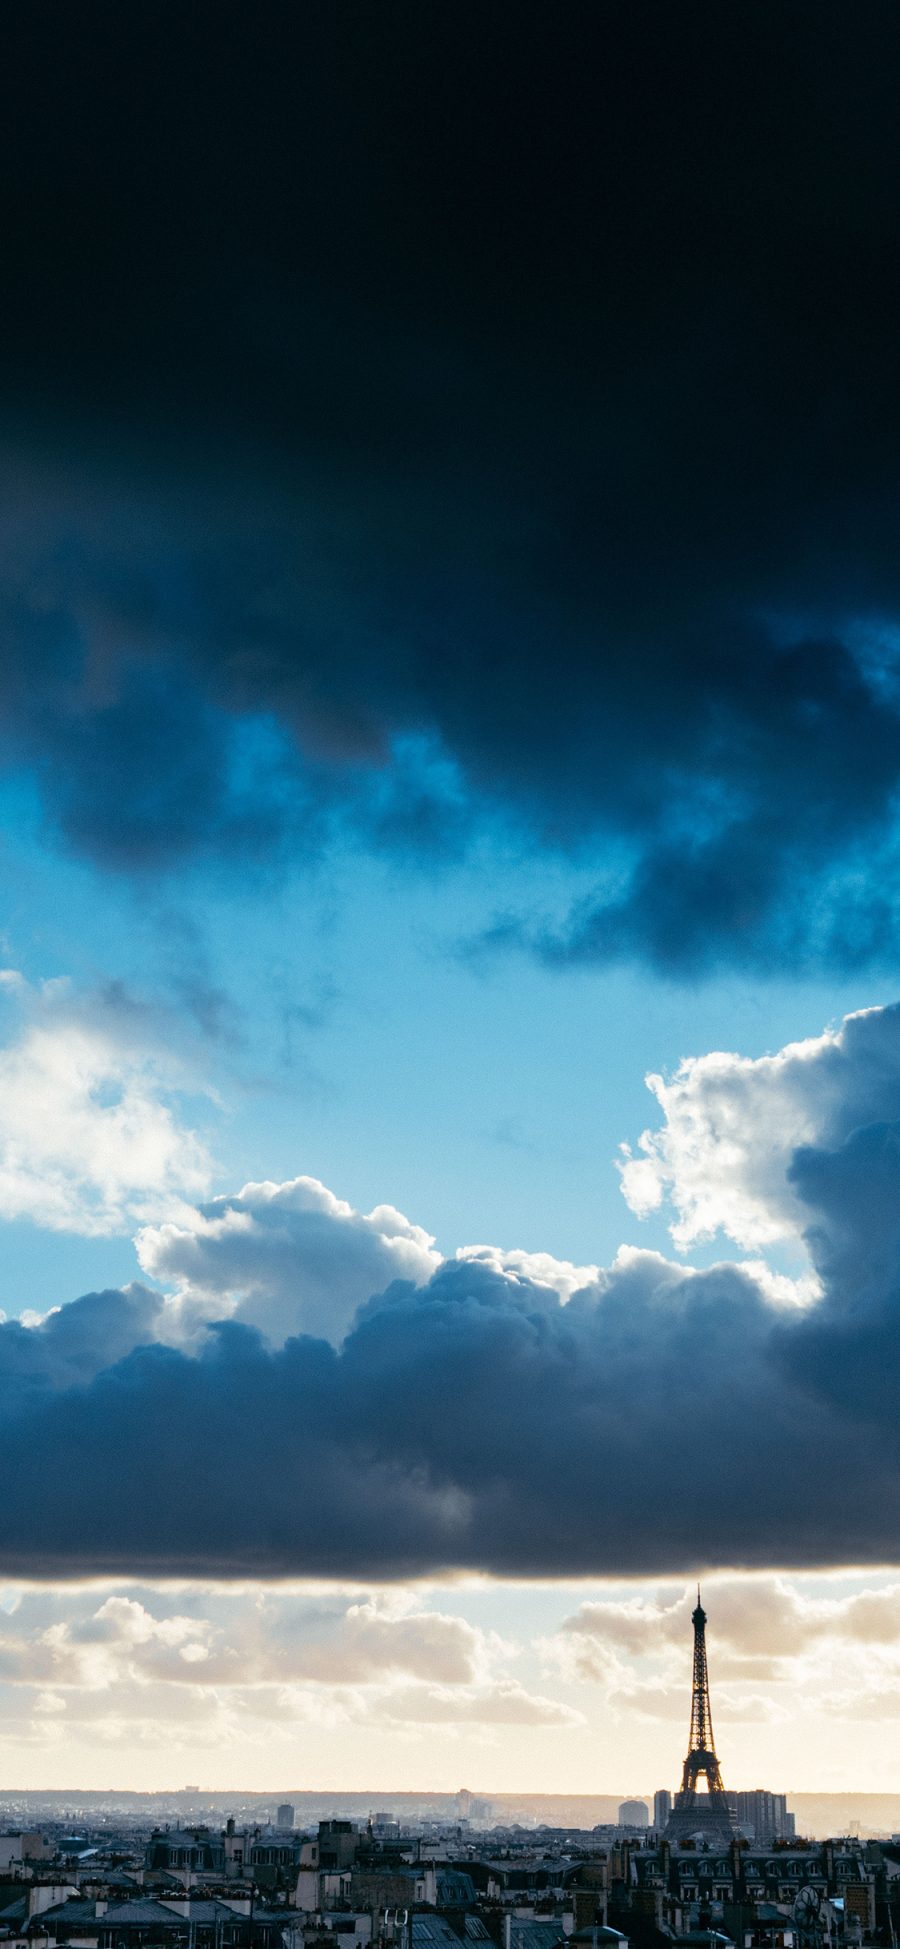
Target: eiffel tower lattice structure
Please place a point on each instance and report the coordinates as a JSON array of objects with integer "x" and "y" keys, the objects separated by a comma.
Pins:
[{"x": 697, "y": 1814}]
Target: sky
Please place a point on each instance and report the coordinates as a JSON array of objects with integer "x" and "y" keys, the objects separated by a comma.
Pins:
[{"x": 449, "y": 898}]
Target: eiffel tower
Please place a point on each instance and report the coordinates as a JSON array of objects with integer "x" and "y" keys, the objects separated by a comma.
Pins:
[{"x": 696, "y": 1815}]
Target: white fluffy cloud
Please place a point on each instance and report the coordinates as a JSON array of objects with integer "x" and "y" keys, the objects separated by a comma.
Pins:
[
  {"x": 135, "y": 1636},
  {"x": 203, "y": 1659},
  {"x": 537, "y": 1268},
  {"x": 288, "y": 1258},
  {"x": 92, "y": 1129},
  {"x": 291, "y": 1258},
  {"x": 733, "y": 1124}
]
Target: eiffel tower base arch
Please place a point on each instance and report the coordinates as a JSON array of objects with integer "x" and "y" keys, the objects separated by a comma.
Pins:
[{"x": 702, "y": 1817}]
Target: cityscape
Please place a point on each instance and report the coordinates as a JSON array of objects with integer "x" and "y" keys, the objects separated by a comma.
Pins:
[
  {"x": 707, "y": 1867},
  {"x": 450, "y": 974}
]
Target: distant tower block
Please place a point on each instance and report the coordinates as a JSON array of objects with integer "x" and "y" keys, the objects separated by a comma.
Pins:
[
  {"x": 634, "y": 1813},
  {"x": 285, "y": 1815},
  {"x": 662, "y": 1807},
  {"x": 698, "y": 1814}
]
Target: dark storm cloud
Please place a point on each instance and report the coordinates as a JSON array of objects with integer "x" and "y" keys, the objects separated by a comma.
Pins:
[
  {"x": 660, "y": 1417},
  {"x": 525, "y": 384},
  {"x": 71, "y": 1346}
]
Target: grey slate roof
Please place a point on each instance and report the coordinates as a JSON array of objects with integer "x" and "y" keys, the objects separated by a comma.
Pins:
[
  {"x": 144, "y": 1912},
  {"x": 432, "y": 1931},
  {"x": 535, "y": 1935},
  {"x": 74, "y": 1909},
  {"x": 206, "y": 1909}
]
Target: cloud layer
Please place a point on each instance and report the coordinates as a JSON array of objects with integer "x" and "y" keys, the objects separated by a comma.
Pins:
[
  {"x": 490, "y": 1411},
  {"x": 151, "y": 1674},
  {"x": 215, "y": 1672},
  {"x": 536, "y": 462}
]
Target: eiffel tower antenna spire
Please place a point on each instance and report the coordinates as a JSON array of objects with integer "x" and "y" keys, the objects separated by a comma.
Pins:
[{"x": 696, "y": 1812}]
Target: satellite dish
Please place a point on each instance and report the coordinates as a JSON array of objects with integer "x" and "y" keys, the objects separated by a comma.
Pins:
[{"x": 807, "y": 1908}]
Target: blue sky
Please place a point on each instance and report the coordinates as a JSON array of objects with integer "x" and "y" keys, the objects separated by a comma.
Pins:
[
  {"x": 356, "y": 1038},
  {"x": 342, "y": 1017}
]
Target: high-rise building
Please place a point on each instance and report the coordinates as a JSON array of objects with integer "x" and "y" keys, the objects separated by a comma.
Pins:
[
  {"x": 764, "y": 1814},
  {"x": 662, "y": 1807},
  {"x": 704, "y": 1816},
  {"x": 634, "y": 1813},
  {"x": 285, "y": 1815}
]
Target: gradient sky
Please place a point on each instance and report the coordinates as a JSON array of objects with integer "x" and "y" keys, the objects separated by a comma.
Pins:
[{"x": 450, "y": 609}]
